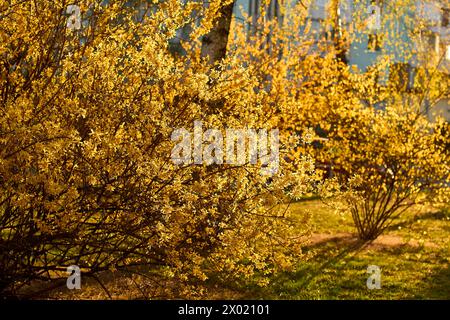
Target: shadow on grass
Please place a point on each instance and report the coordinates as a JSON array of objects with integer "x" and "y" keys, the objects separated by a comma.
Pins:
[
  {"x": 437, "y": 286},
  {"x": 296, "y": 285},
  {"x": 432, "y": 215},
  {"x": 350, "y": 246}
]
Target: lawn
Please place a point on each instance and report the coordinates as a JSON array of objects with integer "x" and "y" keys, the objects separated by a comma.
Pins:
[{"x": 413, "y": 256}]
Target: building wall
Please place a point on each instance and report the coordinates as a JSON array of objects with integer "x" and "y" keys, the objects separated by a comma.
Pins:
[{"x": 393, "y": 34}]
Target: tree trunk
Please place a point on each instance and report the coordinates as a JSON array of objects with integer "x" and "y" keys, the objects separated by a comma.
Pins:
[
  {"x": 338, "y": 42},
  {"x": 214, "y": 44}
]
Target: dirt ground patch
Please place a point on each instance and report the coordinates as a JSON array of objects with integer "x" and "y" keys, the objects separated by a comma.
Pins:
[{"x": 387, "y": 241}]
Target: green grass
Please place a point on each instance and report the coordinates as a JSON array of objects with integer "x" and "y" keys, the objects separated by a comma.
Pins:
[{"x": 413, "y": 255}]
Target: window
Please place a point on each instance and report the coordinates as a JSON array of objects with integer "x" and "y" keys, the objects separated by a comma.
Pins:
[
  {"x": 374, "y": 25},
  {"x": 318, "y": 10},
  {"x": 374, "y": 43},
  {"x": 272, "y": 11},
  {"x": 257, "y": 22},
  {"x": 434, "y": 43},
  {"x": 429, "y": 11},
  {"x": 445, "y": 17},
  {"x": 402, "y": 76},
  {"x": 374, "y": 19},
  {"x": 345, "y": 11},
  {"x": 254, "y": 10}
]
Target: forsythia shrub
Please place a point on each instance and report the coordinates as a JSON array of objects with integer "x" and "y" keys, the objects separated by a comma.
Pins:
[
  {"x": 383, "y": 153},
  {"x": 385, "y": 162},
  {"x": 86, "y": 175}
]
